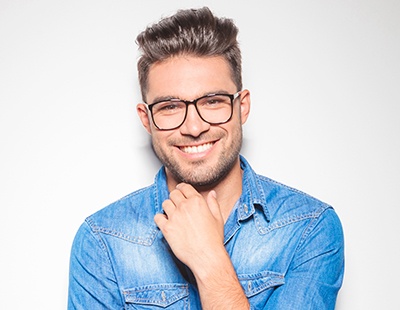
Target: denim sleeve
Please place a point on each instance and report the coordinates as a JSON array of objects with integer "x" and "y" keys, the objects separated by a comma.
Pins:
[
  {"x": 316, "y": 272},
  {"x": 92, "y": 283}
]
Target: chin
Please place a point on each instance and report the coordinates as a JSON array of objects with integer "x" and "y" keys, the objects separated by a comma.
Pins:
[{"x": 201, "y": 176}]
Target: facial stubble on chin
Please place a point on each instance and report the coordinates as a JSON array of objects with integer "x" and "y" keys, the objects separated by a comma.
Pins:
[{"x": 199, "y": 174}]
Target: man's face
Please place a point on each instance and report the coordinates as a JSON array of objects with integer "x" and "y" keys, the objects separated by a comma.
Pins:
[{"x": 196, "y": 153}]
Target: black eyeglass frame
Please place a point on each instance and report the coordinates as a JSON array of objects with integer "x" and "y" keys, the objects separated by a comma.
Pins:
[{"x": 232, "y": 97}]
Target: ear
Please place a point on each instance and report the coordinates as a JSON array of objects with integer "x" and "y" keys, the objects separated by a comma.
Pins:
[
  {"x": 144, "y": 116},
  {"x": 245, "y": 103}
]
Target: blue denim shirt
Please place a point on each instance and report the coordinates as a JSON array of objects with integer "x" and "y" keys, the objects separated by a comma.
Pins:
[{"x": 286, "y": 247}]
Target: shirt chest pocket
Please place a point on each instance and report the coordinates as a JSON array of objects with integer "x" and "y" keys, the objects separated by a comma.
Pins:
[
  {"x": 258, "y": 287},
  {"x": 157, "y": 296}
]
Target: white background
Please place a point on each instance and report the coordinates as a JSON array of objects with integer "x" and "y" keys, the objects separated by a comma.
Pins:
[{"x": 324, "y": 78}]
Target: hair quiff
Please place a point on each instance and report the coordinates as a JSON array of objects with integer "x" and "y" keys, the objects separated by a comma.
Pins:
[{"x": 194, "y": 32}]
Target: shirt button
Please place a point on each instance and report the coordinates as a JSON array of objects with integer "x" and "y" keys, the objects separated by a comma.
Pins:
[{"x": 249, "y": 286}]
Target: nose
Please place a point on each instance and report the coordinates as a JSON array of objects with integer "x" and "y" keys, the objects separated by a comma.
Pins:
[{"x": 193, "y": 125}]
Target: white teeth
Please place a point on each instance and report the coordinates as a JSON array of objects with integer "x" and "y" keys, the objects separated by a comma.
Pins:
[{"x": 196, "y": 149}]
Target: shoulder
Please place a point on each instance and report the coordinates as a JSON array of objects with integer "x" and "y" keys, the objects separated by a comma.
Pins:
[
  {"x": 287, "y": 206},
  {"x": 285, "y": 201},
  {"x": 123, "y": 217}
]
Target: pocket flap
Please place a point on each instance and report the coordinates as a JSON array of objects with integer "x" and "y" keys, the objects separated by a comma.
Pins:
[
  {"x": 253, "y": 284},
  {"x": 161, "y": 295}
]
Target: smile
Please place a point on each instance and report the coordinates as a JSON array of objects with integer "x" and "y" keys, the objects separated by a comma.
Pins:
[{"x": 197, "y": 148}]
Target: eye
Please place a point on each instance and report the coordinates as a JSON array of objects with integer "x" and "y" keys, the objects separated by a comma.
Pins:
[
  {"x": 214, "y": 101},
  {"x": 167, "y": 107}
]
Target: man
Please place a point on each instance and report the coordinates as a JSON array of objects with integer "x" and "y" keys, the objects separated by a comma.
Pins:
[{"x": 209, "y": 233}]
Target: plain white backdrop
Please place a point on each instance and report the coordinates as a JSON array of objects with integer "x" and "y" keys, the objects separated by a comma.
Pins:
[{"x": 325, "y": 83}]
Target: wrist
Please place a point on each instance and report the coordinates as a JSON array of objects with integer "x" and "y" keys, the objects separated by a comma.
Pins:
[{"x": 213, "y": 266}]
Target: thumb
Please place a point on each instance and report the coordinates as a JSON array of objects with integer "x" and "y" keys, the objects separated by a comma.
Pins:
[{"x": 214, "y": 205}]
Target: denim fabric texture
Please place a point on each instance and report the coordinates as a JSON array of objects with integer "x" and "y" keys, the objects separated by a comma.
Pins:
[{"x": 286, "y": 246}]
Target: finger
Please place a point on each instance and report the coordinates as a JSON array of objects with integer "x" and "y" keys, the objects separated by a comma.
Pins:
[
  {"x": 187, "y": 190},
  {"x": 176, "y": 196},
  {"x": 160, "y": 220},
  {"x": 213, "y": 205},
  {"x": 168, "y": 207}
]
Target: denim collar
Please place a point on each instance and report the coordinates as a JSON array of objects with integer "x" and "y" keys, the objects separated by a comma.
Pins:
[{"x": 252, "y": 192}]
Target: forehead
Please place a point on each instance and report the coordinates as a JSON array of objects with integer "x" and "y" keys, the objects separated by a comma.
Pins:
[{"x": 188, "y": 77}]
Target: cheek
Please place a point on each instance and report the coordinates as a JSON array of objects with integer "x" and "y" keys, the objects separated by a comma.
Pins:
[
  {"x": 159, "y": 138},
  {"x": 234, "y": 125}
]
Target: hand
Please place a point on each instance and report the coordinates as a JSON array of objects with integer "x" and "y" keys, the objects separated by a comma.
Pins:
[
  {"x": 194, "y": 229},
  {"x": 193, "y": 226}
]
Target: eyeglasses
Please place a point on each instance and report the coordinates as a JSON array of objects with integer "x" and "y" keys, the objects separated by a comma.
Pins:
[{"x": 214, "y": 109}]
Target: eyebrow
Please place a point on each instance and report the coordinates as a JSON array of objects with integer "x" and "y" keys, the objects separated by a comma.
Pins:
[{"x": 166, "y": 98}]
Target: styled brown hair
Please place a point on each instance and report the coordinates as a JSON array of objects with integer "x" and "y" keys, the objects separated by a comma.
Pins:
[{"x": 196, "y": 32}]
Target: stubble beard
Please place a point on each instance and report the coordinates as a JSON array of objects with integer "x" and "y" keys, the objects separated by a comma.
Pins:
[{"x": 200, "y": 173}]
